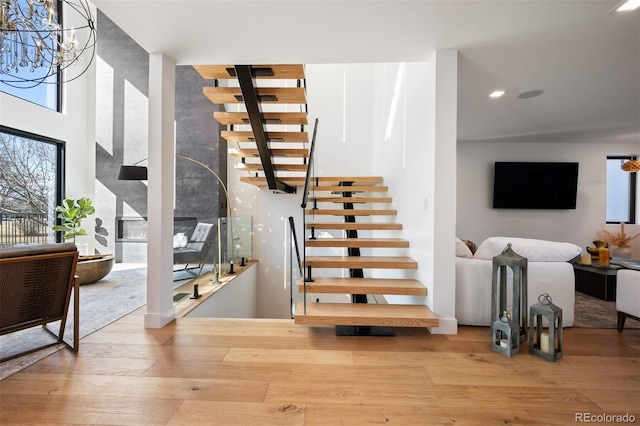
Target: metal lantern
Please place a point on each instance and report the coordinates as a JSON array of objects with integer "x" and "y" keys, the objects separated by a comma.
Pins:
[
  {"x": 518, "y": 265},
  {"x": 505, "y": 332},
  {"x": 545, "y": 345}
]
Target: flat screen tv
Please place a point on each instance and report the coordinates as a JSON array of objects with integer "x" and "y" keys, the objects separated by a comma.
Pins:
[{"x": 523, "y": 185}]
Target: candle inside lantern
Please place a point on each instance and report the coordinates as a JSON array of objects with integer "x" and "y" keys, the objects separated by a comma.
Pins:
[
  {"x": 504, "y": 343},
  {"x": 544, "y": 342}
]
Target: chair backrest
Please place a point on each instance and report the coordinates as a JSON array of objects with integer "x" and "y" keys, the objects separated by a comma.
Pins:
[
  {"x": 202, "y": 233},
  {"x": 35, "y": 284}
]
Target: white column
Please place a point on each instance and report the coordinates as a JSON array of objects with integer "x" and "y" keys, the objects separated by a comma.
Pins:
[
  {"x": 160, "y": 310},
  {"x": 444, "y": 205}
]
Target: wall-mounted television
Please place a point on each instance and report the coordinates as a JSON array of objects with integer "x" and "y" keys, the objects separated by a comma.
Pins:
[{"x": 526, "y": 185}]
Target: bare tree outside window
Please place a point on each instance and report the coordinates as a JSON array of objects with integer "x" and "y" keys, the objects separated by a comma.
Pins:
[{"x": 28, "y": 182}]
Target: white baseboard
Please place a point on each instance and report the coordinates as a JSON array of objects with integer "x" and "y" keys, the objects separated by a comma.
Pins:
[{"x": 160, "y": 319}]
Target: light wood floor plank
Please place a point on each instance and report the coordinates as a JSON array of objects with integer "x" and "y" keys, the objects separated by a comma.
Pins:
[
  {"x": 289, "y": 356},
  {"x": 238, "y": 413}
]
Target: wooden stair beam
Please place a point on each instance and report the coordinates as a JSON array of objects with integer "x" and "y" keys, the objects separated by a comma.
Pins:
[
  {"x": 361, "y": 262},
  {"x": 275, "y": 152},
  {"x": 350, "y": 212},
  {"x": 358, "y": 242},
  {"x": 221, "y": 72},
  {"x": 266, "y": 95},
  {"x": 380, "y": 200},
  {"x": 364, "y": 314},
  {"x": 276, "y": 118},
  {"x": 364, "y": 286},
  {"x": 242, "y": 136},
  {"x": 356, "y": 226},
  {"x": 254, "y": 167},
  {"x": 324, "y": 180}
]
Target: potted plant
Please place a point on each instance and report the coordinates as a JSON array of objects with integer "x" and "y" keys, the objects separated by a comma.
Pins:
[
  {"x": 90, "y": 268},
  {"x": 72, "y": 213},
  {"x": 621, "y": 240}
]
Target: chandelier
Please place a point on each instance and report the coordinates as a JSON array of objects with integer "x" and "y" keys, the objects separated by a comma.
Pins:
[{"x": 35, "y": 46}]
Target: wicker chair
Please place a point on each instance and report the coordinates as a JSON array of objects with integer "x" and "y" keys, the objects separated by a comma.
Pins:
[{"x": 36, "y": 283}]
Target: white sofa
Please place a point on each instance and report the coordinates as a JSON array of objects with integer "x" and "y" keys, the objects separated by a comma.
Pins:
[{"x": 548, "y": 271}]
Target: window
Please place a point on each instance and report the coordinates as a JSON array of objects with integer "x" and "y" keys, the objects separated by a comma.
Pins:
[
  {"x": 30, "y": 187},
  {"x": 621, "y": 191},
  {"x": 47, "y": 93}
]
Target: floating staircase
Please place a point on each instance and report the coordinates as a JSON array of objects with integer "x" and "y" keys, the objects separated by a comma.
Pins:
[
  {"x": 361, "y": 316},
  {"x": 265, "y": 114}
]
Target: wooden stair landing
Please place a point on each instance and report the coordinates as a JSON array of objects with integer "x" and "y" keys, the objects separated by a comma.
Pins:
[{"x": 364, "y": 314}]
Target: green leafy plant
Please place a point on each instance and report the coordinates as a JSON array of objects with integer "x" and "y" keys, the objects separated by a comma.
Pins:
[{"x": 72, "y": 213}]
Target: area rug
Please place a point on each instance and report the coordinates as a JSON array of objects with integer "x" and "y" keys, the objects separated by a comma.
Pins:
[
  {"x": 591, "y": 312},
  {"x": 122, "y": 291}
]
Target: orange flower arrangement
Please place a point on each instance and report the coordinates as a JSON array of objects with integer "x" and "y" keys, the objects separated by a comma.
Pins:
[{"x": 619, "y": 239}]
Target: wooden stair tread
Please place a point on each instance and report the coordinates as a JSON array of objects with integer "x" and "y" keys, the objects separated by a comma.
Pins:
[
  {"x": 233, "y": 95},
  {"x": 275, "y": 152},
  {"x": 221, "y": 72},
  {"x": 365, "y": 314},
  {"x": 245, "y": 136},
  {"x": 368, "y": 226},
  {"x": 364, "y": 286},
  {"x": 364, "y": 262},
  {"x": 279, "y": 118},
  {"x": 381, "y": 200},
  {"x": 254, "y": 167},
  {"x": 324, "y": 180},
  {"x": 358, "y": 242},
  {"x": 350, "y": 212}
]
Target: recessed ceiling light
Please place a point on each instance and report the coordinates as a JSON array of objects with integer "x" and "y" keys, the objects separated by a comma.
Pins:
[
  {"x": 628, "y": 5},
  {"x": 497, "y": 94},
  {"x": 530, "y": 94}
]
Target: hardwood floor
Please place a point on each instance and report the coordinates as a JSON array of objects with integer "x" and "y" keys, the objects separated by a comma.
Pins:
[{"x": 260, "y": 372}]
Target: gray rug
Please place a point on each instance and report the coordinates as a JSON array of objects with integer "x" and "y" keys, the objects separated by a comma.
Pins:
[{"x": 101, "y": 303}]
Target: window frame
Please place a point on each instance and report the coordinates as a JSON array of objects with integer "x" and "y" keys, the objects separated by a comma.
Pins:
[
  {"x": 633, "y": 178},
  {"x": 60, "y": 164}
]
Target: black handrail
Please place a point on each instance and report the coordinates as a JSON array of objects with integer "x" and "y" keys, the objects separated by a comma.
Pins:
[
  {"x": 307, "y": 179},
  {"x": 295, "y": 241}
]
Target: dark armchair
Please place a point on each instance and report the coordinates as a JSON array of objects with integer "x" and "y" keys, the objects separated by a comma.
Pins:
[{"x": 197, "y": 248}]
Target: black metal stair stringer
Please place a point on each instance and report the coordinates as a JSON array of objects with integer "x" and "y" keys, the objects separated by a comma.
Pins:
[{"x": 246, "y": 79}]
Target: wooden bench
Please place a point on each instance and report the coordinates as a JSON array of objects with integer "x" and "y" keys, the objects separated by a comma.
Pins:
[{"x": 36, "y": 282}]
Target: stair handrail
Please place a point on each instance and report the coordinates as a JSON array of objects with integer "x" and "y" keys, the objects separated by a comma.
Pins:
[
  {"x": 292, "y": 225},
  {"x": 307, "y": 179}
]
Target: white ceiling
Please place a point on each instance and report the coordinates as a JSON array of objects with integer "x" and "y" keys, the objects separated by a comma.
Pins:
[{"x": 586, "y": 60}]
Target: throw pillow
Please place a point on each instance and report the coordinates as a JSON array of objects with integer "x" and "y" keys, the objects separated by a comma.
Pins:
[
  {"x": 534, "y": 250},
  {"x": 462, "y": 250}
]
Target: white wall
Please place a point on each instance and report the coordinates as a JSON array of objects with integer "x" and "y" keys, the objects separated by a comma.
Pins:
[
  {"x": 477, "y": 220},
  {"x": 237, "y": 299}
]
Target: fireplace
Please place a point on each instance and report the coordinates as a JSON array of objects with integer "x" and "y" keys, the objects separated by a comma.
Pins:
[
  {"x": 131, "y": 229},
  {"x": 134, "y": 229}
]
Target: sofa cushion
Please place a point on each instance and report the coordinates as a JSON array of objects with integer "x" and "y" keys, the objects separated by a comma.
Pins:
[
  {"x": 533, "y": 250},
  {"x": 462, "y": 250}
]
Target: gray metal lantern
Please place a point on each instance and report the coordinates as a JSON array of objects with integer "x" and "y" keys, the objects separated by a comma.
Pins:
[
  {"x": 545, "y": 345},
  {"x": 505, "y": 332},
  {"x": 518, "y": 265}
]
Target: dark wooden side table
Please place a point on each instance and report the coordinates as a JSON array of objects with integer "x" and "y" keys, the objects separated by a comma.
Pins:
[{"x": 595, "y": 280}]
